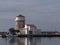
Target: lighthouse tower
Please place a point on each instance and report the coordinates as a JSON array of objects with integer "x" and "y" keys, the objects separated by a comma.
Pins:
[{"x": 20, "y": 22}]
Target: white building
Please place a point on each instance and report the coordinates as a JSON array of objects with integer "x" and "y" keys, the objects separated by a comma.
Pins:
[
  {"x": 32, "y": 29},
  {"x": 24, "y": 28}
]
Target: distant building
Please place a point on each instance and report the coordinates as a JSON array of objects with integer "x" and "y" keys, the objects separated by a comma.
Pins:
[{"x": 24, "y": 28}]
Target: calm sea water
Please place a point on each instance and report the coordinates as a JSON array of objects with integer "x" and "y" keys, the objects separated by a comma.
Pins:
[{"x": 29, "y": 41}]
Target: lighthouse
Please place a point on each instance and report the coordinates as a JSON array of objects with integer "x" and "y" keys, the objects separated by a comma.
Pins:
[{"x": 20, "y": 22}]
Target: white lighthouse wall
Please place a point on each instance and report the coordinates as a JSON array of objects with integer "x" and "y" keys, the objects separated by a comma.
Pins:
[
  {"x": 19, "y": 18},
  {"x": 26, "y": 29}
]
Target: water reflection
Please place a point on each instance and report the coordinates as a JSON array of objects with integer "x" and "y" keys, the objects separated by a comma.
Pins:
[
  {"x": 12, "y": 40},
  {"x": 29, "y": 41},
  {"x": 19, "y": 41},
  {"x": 22, "y": 41}
]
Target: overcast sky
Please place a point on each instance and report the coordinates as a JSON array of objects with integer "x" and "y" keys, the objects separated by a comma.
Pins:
[{"x": 43, "y": 13}]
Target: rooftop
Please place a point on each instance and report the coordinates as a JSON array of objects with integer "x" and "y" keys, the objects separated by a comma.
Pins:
[
  {"x": 20, "y": 16},
  {"x": 31, "y": 25}
]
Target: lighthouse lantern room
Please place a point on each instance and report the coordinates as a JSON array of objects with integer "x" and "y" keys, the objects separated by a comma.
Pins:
[{"x": 20, "y": 22}]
